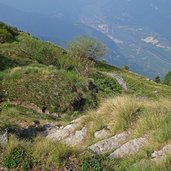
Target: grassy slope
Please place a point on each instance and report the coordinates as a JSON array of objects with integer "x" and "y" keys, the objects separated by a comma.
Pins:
[
  {"x": 137, "y": 84},
  {"x": 41, "y": 73}
]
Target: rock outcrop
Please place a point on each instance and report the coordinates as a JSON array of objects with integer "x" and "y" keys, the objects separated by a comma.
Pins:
[
  {"x": 119, "y": 79},
  {"x": 4, "y": 137},
  {"x": 70, "y": 134},
  {"x": 77, "y": 137},
  {"x": 129, "y": 148},
  {"x": 104, "y": 133},
  {"x": 75, "y": 134},
  {"x": 161, "y": 154},
  {"x": 114, "y": 142}
]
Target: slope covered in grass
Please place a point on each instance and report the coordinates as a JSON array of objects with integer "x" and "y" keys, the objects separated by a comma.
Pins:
[
  {"x": 137, "y": 84},
  {"x": 41, "y": 84}
]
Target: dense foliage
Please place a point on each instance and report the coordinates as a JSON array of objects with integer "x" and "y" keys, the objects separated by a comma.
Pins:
[
  {"x": 7, "y": 33},
  {"x": 87, "y": 47},
  {"x": 167, "y": 79}
]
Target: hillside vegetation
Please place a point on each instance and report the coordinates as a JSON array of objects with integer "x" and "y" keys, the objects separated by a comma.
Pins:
[{"x": 42, "y": 84}]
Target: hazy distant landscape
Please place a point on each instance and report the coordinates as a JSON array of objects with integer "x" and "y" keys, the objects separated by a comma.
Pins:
[{"x": 122, "y": 25}]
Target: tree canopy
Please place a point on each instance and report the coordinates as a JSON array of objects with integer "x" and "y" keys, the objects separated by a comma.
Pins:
[
  {"x": 167, "y": 78},
  {"x": 87, "y": 47}
]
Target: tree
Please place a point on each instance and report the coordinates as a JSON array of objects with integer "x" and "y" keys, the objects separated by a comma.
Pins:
[
  {"x": 83, "y": 51},
  {"x": 87, "y": 47},
  {"x": 157, "y": 79},
  {"x": 167, "y": 78},
  {"x": 126, "y": 67}
]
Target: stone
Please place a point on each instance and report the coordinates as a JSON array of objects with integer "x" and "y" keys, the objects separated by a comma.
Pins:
[
  {"x": 77, "y": 138},
  {"x": 58, "y": 134},
  {"x": 129, "y": 148},
  {"x": 119, "y": 79},
  {"x": 78, "y": 120},
  {"x": 72, "y": 127},
  {"x": 161, "y": 154},
  {"x": 49, "y": 129},
  {"x": 114, "y": 142},
  {"x": 4, "y": 137},
  {"x": 102, "y": 134}
]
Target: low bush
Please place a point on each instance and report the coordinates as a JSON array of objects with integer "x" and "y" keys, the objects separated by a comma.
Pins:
[
  {"x": 91, "y": 164},
  {"x": 49, "y": 88},
  {"x": 18, "y": 158},
  {"x": 7, "y": 33}
]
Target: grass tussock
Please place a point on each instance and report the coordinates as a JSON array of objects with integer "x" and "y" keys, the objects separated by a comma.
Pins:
[
  {"x": 40, "y": 152},
  {"x": 49, "y": 152},
  {"x": 117, "y": 114},
  {"x": 155, "y": 119}
]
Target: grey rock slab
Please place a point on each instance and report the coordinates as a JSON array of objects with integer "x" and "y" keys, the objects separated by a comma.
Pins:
[
  {"x": 71, "y": 127},
  {"x": 102, "y": 134},
  {"x": 129, "y": 148},
  {"x": 120, "y": 80},
  {"x": 114, "y": 142},
  {"x": 77, "y": 138},
  {"x": 4, "y": 137},
  {"x": 78, "y": 120},
  {"x": 161, "y": 154},
  {"x": 58, "y": 134}
]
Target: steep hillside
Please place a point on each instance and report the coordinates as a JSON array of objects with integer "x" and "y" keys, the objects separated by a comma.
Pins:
[
  {"x": 137, "y": 33},
  {"x": 56, "y": 116}
]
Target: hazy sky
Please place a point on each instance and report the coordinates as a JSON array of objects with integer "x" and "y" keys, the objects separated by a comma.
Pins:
[{"x": 42, "y": 6}]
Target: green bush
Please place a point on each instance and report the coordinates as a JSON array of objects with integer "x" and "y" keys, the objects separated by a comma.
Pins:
[
  {"x": 18, "y": 158},
  {"x": 5, "y": 36},
  {"x": 167, "y": 79},
  {"x": 91, "y": 164},
  {"x": 7, "y": 33},
  {"x": 107, "y": 86},
  {"x": 47, "y": 87}
]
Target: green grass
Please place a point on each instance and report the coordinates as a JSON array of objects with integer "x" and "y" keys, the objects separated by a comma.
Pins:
[
  {"x": 13, "y": 117},
  {"x": 57, "y": 90},
  {"x": 44, "y": 74},
  {"x": 7, "y": 33},
  {"x": 137, "y": 84},
  {"x": 39, "y": 153}
]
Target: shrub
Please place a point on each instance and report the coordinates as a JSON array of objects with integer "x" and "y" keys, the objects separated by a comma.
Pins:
[
  {"x": 157, "y": 79},
  {"x": 107, "y": 86},
  {"x": 5, "y": 36},
  {"x": 56, "y": 90},
  {"x": 7, "y": 33},
  {"x": 87, "y": 47},
  {"x": 51, "y": 152},
  {"x": 167, "y": 79},
  {"x": 18, "y": 157},
  {"x": 126, "y": 67},
  {"x": 91, "y": 164}
]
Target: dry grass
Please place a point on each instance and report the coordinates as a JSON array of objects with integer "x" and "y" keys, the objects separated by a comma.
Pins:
[
  {"x": 128, "y": 113},
  {"x": 116, "y": 114}
]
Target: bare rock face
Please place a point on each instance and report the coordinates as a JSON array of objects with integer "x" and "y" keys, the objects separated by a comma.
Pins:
[
  {"x": 77, "y": 138},
  {"x": 161, "y": 154},
  {"x": 4, "y": 137},
  {"x": 120, "y": 80},
  {"x": 102, "y": 134},
  {"x": 67, "y": 134},
  {"x": 114, "y": 142},
  {"x": 60, "y": 133},
  {"x": 129, "y": 148}
]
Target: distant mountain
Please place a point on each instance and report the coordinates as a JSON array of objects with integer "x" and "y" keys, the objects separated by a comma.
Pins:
[{"x": 137, "y": 33}]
